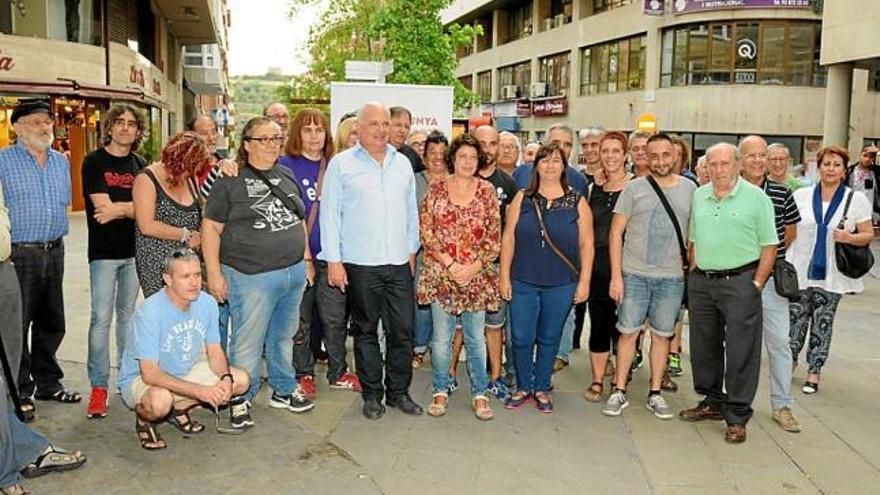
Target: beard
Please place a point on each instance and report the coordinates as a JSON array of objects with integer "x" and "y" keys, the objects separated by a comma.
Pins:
[
  {"x": 37, "y": 141},
  {"x": 661, "y": 170}
]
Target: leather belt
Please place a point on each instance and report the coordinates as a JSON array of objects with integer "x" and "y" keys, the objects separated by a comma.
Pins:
[
  {"x": 733, "y": 272},
  {"x": 45, "y": 246}
]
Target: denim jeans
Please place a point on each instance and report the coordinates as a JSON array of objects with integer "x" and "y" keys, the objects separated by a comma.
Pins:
[
  {"x": 265, "y": 313},
  {"x": 776, "y": 341},
  {"x": 656, "y": 299},
  {"x": 223, "y": 325},
  {"x": 473, "y": 328},
  {"x": 566, "y": 343},
  {"x": 537, "y": 315},
  {"x": 423, "y": 323},
  {"x": 114, "y": 285},
  {"x": 19, "y": 445}
]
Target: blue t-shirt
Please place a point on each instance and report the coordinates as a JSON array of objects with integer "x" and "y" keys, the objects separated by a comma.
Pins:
[
  {"x": 522, "y": 175},
  {"x": 164, "y": 333},
  {"x": 305, "y": 172}
]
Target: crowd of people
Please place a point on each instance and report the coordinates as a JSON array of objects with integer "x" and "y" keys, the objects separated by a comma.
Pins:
[{"x": 416, "y": 244}]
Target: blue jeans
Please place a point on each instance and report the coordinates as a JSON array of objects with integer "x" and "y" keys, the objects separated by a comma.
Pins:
[
  {"x": 537, "y": 315},
  {"x": 777, "y": 342},
  {"x": 224, "y": 325},
  {"x": 265, "y": 313},
  {"x": 473, "y": 328},
  {"x": 657, "y": 299},
  {"x": 114, "y": 284},
  {"x": 423, "y": 321},
  {"x": 566, "y": 343},
  {"x": 19, "y": 445}
]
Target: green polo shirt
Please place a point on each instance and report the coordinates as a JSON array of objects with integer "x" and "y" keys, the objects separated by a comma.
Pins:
[{"x": 730, "y": 233}]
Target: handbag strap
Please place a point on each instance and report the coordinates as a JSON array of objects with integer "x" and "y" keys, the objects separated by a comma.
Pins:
[
  {"x": 278, "y": 193},
  {"x": 546, "y": 236},
  {"x": 313, "y": 215},
  {"x": 842, "y": 223},
  {"x": 666, "y": 206}
]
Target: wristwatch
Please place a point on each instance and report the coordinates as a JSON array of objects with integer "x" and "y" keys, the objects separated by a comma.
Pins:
[
  {"x": 758, "y": 285},
  {"x": 228, "y": 375}
]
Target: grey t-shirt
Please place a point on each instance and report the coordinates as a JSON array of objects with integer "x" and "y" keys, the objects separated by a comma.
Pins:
[
  {"x": 650, "y": 248},
  {"x": 260, "y": 234}
]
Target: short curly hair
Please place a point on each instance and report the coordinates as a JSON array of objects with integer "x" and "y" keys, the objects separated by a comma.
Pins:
[
  {"x": 185, "y": 155},
  {"x": 466, "y": 139},
  {"x": 115, "y": 112}
]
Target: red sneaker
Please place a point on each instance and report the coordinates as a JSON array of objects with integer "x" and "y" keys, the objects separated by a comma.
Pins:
[
  {"x": 307, "y": 385},
  {"x": 347, "y": 381},
  {"x": 97, "y": 403}
]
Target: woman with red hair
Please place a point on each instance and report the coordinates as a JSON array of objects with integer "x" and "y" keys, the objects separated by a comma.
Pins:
[{"x": 166, "y": 206}]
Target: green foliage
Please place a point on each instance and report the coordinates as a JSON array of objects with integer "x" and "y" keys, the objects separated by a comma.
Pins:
[
  {"x": 253, "y": 93},
  {"x": 423, "y": 50}
]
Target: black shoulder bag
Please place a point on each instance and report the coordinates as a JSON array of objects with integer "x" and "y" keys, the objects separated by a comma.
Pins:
[
  {"x": 277, "y": 192},
  {"x": 785, "y": 277},
  {"x": 685, "y": 265},
  {"x": 852, "y": 261}
]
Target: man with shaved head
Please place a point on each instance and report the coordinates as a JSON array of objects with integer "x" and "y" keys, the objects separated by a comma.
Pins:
[
  {"x": 369, "y": 238},
  {"x": 733, "y": 248}
]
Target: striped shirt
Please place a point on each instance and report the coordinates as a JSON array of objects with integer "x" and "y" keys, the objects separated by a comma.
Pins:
[
  {"x": 784, "y": 209},
  {"x": 37, "y": 195}
]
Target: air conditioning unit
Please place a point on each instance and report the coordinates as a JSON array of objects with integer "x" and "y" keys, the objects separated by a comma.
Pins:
[
  {"x": 558, "y": 20},
  {"x": 509, "y": 92},
  {"x": 538, "y": 89}
]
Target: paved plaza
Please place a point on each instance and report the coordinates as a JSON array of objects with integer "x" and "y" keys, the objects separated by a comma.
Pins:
[{"x": 576, "y": 450}]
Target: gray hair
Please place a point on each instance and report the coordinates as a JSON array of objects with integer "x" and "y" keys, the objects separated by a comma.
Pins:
[
  {"x": 747, "y": 138},
  {"x": 638, "y": 135},
  {"x": 360, "y": 112},
  {"x": 179, "y": 254},
  {"x": 514, "y": 136},
  {"x": 558, "y": 127},
  {"x": 727, "y": 146},
  {"x": 780, "y": 146},
  {"x": 595, "y": 131}
]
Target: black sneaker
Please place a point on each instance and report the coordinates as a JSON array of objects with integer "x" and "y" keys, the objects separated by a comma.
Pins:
[
  {"x": 296, "y": 401},
  {"x": 240, "y": 413},
  {"x": 638, "y": 361}
]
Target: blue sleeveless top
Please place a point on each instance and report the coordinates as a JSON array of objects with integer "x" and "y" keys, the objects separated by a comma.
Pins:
[{"x": 534, "y": 261}]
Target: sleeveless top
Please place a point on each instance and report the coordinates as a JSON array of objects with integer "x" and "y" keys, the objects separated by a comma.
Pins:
[
  {"x": 534, "y": 261},
  {"x": 150, "y": 252},
  {"x": 602, "y": 205}
]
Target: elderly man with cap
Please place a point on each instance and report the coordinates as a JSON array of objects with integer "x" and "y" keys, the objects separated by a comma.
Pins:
[{"x": 36, "y": 185}]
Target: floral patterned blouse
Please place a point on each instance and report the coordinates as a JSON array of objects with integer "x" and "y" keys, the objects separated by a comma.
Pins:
[{"x": 467, "y": 233}]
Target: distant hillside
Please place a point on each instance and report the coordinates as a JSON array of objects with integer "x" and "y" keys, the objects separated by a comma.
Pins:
[{"x": 252, "y": 93}]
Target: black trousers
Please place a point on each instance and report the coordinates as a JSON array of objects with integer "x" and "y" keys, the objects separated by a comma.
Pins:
[
  {"x": 382, "y": 293},
  {"x": 726, "y": 323},
  {"x": 603, "y": 309},
  {"x": 40, "y": 274},
  {"x": 328, "y": 304}
]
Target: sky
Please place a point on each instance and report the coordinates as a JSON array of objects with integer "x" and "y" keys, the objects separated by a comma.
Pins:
[{"x": 262, "y": 36}]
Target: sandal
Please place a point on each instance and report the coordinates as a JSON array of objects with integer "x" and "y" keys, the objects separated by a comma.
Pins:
[
  {"x": 668, "y": 385},
  {"x": 28, "y": 411},
  {"x": 53, "y": 460},
  {"x": 810, "y": 388},
  {"x": 149, "y": 436},
  {"x": 437, "y": 409},
  {"x": 15, "y": 489},
  {"x": 63, "y": 396},
  {"x": 483, "y": 413},
  {"x": 418, "y": 359},
  {"x": 180, "y": 419},
  {"x": 594, "y": 392}
]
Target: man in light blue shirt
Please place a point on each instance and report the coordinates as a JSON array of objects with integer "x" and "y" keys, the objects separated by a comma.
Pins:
[{"x": 369, "y": 238}]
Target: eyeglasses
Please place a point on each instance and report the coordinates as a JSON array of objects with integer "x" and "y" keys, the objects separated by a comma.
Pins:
[
  {"x": 754, "y": 156},
  {"x": 37, "y": 123},
  {"x": 266, "y": 140},
  {"x": 126, "y": 123}
]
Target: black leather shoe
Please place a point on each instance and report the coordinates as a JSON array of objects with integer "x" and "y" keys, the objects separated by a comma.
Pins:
[
  {"x": 373, "y": 409},
  {"x": 405, "y": 404}
]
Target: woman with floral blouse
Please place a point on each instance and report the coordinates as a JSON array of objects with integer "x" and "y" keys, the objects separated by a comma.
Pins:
[{"x": 461, "y": 236}]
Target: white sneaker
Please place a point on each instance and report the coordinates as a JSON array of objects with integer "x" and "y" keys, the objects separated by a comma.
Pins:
[
  {"x": 615, "y": 404},
  {"x": 657, "y": 405}
]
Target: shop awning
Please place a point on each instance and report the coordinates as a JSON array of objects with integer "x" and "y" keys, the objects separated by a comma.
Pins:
[{"x": 70, "y": 87}]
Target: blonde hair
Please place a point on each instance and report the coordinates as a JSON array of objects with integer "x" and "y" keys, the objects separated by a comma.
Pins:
[{"x": 343, "y": 130}]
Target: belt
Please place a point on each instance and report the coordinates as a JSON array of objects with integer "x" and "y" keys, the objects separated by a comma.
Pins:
[
  {"x": 733, "y": 272},
  {"x": 45, "y": 246}
]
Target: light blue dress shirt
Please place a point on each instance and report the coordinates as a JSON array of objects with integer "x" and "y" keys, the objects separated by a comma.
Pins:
[
  {"x": 37, "y": 196},
  {"x": 369, "y": 215}
]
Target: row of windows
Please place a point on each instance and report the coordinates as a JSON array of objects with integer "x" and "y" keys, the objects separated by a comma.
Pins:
[{"x": 749, "y": 52}]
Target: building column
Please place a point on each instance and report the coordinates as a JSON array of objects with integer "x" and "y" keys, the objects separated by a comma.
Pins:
[{"x": 838, "y": 98}]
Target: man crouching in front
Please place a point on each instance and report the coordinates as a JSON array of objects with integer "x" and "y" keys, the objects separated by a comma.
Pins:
[{"x": 173, "y": 361}]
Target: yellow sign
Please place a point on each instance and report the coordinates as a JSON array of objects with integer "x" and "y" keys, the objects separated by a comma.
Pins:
[{"x": 647, "y": 123}]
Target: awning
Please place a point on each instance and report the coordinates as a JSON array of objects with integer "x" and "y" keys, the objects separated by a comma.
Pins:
[{"x": 69, "y": 87}]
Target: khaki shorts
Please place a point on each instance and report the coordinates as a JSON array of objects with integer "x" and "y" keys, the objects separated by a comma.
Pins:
[{"x": 201, "y": 373}]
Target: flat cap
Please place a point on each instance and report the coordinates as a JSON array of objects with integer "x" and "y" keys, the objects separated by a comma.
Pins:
[{"x": 28, "y": 107}]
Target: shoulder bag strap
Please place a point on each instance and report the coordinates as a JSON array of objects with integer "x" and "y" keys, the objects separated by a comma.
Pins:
[
  {"x": 313, "y": 215},
  {"x": 546, "y": 236},
  {"x": 278, "y": 193},
  {"x": 842, "y": 223},
  {"x": 665, "y": 202}
]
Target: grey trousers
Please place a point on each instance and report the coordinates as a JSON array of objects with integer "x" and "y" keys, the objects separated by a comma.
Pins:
[
  {"x": 726, "y": 322},
  {"x": 10, "y": 315}
]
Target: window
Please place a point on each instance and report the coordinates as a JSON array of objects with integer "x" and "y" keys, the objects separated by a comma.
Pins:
[
  {"x": 484, "y": 41},
  {"x": 754, "y": 52},
  {"x": 615, "y": 66},
  {"x": 484, "y": 86},
  {"x": 519, "y": 75},
  {"x": 519, "y": 22},
  {"x": 600, "y": 6},
  {"x": 75, "y": 22},
  {"x": 874, "y": 80},
  {"x": 467, "y": 82},
  {"x": 554, "y": 72}
]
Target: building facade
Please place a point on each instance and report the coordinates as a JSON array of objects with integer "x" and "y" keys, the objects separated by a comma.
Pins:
[
  {"x": 701, "y": 68},
  {"x": 83, "y": 56}
]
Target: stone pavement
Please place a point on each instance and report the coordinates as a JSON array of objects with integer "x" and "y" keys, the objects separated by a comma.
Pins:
[{"x": 334, "y": 450}]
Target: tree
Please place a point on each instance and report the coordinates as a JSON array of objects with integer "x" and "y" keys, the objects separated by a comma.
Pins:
[{"x": 423, "y": 50}]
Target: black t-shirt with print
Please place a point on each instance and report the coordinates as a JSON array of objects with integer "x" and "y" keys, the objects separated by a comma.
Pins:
[
  {"x": 103, "y": 173},
  {"x": 505, "y": 189}
]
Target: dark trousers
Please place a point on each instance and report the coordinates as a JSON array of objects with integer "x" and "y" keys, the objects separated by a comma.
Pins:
[
  {"x": 603, "y": 309},
  {"x": 40, "y": 273},
  {"x": 382, "y": 292},
  {"x": 726, "y": 336},
  {"x": 328, "y": 304},
  {"x": 10, "y": 317}
]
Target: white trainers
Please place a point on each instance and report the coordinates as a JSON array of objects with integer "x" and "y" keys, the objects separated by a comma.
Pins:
[
  {"x": 657, "y": 405},
  {"x": 615, "y": 404}
]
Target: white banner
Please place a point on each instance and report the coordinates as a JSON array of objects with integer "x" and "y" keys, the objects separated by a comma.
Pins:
[{"x": 430, "y": 106}]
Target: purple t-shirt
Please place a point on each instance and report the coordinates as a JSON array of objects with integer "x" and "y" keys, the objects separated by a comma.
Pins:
[{"x": 305, "y": 172}]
